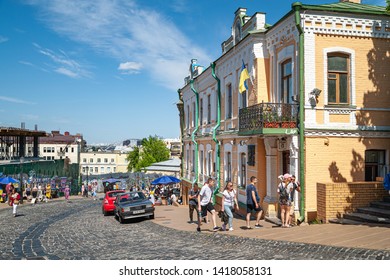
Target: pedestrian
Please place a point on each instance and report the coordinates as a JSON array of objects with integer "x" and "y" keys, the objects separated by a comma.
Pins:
[
  {"x": 67, "y": 192},
  {"x": 193, "y": 203},
  {"x": 28, "y": 192},
  {"x": 34, "y": 193},
  {"x": 229, "y": 204},
  {"x": 204, "y": 203},
  {"x": 284, "y": 190},
  {"x": 14, "y": 201},
  {"x": 48, "y": 191},
  {"x": 8, "y": 189},
  {"x": 82, "y": 190},
  {"x": 253, "y": 203},
  {"x": 294, "y": 198}
]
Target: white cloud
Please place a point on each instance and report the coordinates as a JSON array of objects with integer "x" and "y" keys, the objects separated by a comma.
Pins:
[
  {"x": 62, "y": 64},
  {"x": 15, "y": 100},
  {"x": 3, "y": 39},
  {"x": 126, "y": 31},
  {"x": 130, "y": 67}
]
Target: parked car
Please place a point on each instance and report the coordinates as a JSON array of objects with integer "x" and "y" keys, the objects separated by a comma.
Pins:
[
  {"x": 133, "y": 205},
  {"x": 108, "y": 201}
]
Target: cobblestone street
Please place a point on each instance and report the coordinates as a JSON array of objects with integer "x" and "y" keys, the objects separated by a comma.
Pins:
[{"x": 78, "y": 230}]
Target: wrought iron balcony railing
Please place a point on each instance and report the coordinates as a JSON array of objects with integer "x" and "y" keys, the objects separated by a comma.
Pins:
[{"x": 267, "y": 115}]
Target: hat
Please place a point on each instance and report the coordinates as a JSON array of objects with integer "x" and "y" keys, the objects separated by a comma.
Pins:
[{"x": 286, "y": 176}]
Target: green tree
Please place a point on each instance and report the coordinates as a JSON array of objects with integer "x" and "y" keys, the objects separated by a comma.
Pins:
[
  {"x": 388, "y": 6},
  {"x": 153, "y": 150}
]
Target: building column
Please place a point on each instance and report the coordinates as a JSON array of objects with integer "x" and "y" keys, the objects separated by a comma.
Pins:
[
  {"x": 36, "y": 147},
  {"x": 294, "y": 169},
  {"x": 270, "y": 201}
]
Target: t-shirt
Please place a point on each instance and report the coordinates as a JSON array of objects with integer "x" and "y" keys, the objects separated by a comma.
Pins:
[
  {"x": 205, "y": 195},
  {"x": 249, "y": 199},
  {"x": 229, "y": 197},
  {"x": 193, "y": 201}
]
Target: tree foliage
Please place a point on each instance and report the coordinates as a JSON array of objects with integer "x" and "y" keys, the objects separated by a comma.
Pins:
[
  {"x": 153, "y": 150},
  {"x": 388, "y": 6}
]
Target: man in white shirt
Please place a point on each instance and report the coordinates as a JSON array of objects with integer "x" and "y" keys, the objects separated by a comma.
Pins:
[{"x": 205, "y": 204}]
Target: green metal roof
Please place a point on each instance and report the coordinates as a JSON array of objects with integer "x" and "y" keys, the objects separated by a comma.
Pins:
[{"x": 348, "y": 7}]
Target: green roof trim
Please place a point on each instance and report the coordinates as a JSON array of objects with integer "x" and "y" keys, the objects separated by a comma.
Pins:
[{"x": 348, "y": 7}]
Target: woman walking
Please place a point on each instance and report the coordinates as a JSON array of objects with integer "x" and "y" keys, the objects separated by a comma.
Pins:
[
  {"x": 67, "y": 192},
  {"x": 284, "y": 189},
  {"x": 14, "y": 201},
  {"x": 229, "y": 202}
]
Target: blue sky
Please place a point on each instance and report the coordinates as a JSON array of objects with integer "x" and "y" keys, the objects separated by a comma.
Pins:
[{"x": 110, "y": 69}]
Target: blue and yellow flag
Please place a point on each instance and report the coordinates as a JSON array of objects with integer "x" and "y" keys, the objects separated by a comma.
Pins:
[{"x": 243, "y": 86}]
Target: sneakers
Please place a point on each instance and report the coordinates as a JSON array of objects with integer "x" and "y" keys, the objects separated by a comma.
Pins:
[
  {"x": 223, "y": 227},
  {"x": 215, "y": 228},
  {"x": 198, "y": 229},
  {"x": 258, "y": 226},
  {"x": 231, "y": 229}
]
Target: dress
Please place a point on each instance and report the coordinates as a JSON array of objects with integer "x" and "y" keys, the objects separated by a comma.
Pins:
[{"x": 67, "y": 192}]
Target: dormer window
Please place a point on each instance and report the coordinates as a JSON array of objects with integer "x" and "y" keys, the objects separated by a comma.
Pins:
[{"x": 237, "y": 31}]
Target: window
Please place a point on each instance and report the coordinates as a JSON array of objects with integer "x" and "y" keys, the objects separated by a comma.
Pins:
[
  {"x": 209, "y": 163},
  {"x": 286, "y": 82},
  {"x": 201, "y": 161},
  {"x": 374, "y": 164},
  {"x": 251, "y": 155},
  {"x": 188, "y": 116},
  {"x": 101, "y": 169},
  {"x": 243, "y": 100},
  {"x": 106, "y": 160},
  {"x": 99, "y": 160},
  {"x": 96, "y": 169},
  {"x": 228, "y": 166},
  {"x": 91, "y": 160},
  {"x": 108, "y": 169},
  {"x": 193, "y": 161},
  {"x": 112, "y": 160},
  {"x": 338, "y": 77},
  {"x": 84, "y": 160},
  {"x": 114, "y": 168},
  {"x": 90, "y": 169},
  {"x": 193, "y": 114},
  {"x": 242, "y": 181},
  {"x": 229, "y": 102},
  {"x": 208, "y": 109},
  {"x": 201, "y": 112}
]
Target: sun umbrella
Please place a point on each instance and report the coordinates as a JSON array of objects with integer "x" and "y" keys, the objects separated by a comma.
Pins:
[
  {"x": 111, "y": 180},
  {"x": 7, "y": 180},
  {"x": 165, "y": 180}
]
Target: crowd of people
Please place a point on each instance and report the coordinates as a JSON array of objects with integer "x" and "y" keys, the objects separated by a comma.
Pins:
[{"x": 200, "y": 201}]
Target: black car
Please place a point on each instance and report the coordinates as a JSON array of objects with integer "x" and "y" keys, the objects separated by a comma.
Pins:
[{"x": 131, "y": 205}]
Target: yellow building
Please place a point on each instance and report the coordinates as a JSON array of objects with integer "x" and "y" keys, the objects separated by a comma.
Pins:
[{"x": 317, "y": 105}]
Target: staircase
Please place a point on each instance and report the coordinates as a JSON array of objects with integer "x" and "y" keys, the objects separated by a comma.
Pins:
[{"x": 377, "y": 213}]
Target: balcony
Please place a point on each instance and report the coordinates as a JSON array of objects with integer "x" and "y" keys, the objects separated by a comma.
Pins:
[{"x": 269, "y": 118}]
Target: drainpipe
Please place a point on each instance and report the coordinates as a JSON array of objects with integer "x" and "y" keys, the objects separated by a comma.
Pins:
[
  {"x": 297, "y": 7},
  {"x": 196, "y": 122},
  {"x": 217, "y": 145}
]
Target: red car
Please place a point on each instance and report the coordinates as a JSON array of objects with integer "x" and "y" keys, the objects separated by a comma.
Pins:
[{"x": 108, "y": 201}]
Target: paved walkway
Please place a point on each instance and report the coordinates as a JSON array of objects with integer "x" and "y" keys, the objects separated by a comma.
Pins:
[{"x": 356, "y": 236}]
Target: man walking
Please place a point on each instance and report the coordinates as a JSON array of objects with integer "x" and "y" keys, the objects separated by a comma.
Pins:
[
  {"x": 253, "y": 203},
  {"x": 193, "y": 203},
  {"x": 205, "y": 204}
]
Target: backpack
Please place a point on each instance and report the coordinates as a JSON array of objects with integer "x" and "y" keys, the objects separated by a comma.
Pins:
[{"x": 283, "y": 194}]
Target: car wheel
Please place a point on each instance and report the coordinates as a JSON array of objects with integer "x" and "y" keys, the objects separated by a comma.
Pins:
[
  {"x": 121, "y": 220},
  {"x": 105, "y": 213},
  {"x": 151, "y": 216}
]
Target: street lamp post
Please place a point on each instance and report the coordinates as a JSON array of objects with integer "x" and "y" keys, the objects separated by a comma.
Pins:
[
  {"x": 86, "y": 187},
  {"x": 21, "y": 179}
]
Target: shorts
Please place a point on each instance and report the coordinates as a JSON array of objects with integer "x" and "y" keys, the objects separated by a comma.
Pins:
[
  {"x": 208, "y": 207},
  {"x": 251, "y": 207}
]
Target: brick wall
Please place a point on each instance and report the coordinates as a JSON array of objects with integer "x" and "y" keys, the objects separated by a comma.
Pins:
[{"x": 335, "y": 199}]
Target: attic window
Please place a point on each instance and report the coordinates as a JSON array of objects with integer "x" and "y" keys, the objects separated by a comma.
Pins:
[{"x": 237, "y": 31}]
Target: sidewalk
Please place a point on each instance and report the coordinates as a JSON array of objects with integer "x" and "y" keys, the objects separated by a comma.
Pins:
[{"x": 356, "y": 236}]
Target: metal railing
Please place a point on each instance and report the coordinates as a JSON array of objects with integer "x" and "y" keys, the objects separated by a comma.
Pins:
[{"x": 268, "y": 115}]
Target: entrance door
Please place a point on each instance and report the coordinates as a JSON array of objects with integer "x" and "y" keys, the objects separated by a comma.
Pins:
[{"x": 285, "y": 162}]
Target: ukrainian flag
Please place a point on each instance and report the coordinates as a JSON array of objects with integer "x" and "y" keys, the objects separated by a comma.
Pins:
[{"x": 243, "y": 86}]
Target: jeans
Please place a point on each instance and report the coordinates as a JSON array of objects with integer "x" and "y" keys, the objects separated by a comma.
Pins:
[
  {"x": 228, "y": 211},
  {"x": 191, "y": 211},
  {"x": 14, "y": 209}
]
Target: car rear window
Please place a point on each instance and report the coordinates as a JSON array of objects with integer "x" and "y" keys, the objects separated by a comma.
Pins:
[
  {"x": 132, "y": 197},
  {"x": 114, "y": 194}
]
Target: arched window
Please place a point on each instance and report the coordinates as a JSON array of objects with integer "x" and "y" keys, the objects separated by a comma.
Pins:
[{"x": 286, "y": 93}]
